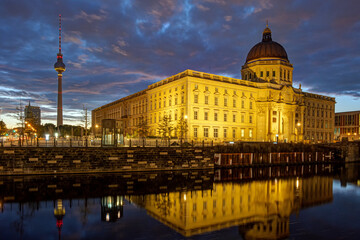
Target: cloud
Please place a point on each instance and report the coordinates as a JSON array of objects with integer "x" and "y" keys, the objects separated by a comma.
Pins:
[{"x": 91, "y": 17}]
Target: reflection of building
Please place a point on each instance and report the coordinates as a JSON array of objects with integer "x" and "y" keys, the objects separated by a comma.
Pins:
[
  {"x": 262, "y": 106},
  {"x": 261, "y": 209},
  {"x": 32, "y": 115},
  {"x": 112, "y": 208},
  {"x": 347, "y": 125}
]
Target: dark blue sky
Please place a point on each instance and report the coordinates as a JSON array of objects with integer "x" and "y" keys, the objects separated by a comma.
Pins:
[{"x": 113, "y": 48}]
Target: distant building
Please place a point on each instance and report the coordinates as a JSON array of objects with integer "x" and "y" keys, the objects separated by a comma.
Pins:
[
  {"x": 262, "y": 106},
  {"x": 347, "y": 125},
  {"x": 33, "y": 114}
]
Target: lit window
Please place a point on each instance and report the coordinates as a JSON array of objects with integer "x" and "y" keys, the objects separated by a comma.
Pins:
[
  {"x": 216, "y": 132},
  {"x": 196, "y": 98},
  {"x": 242, "y": 132},
  {"x": 250, "y": 133},
  {"x": 206, "y": 132},
  {"x": 195, "y": 132}
]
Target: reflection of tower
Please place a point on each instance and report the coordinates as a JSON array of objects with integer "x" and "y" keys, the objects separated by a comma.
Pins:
[
  {"x": 60, "y": 68},
  {"x": 59, "y": 213},
  {"x": 112, "y": 208}
]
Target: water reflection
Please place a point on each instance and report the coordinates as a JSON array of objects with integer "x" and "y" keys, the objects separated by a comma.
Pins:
[
  {"x": 190, "y": 203},
  {"x": 260, "y": 208}
]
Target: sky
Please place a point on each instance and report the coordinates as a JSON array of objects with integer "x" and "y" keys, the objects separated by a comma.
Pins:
[{"x": 113, "y": 48}]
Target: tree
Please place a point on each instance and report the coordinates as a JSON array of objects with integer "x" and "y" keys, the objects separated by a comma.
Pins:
[
  {"x": 182, "y": 127},
  {"x": 3, "y": 128},
  {"x": 165, "y": 127},
  {"x": 143, "y": 128}
]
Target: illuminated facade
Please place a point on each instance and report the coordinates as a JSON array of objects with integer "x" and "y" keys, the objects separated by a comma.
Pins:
[
  {"x": 261, "y": 209},
  {"x": 262, "y": 106},
  {"x": 347, "y": 125}
]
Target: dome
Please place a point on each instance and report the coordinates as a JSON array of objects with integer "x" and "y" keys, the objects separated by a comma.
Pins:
[{"x": 267, "y": 48}]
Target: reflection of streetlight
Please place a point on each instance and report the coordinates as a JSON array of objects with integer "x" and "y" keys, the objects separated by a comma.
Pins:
[{"x": 185, "y": 197}]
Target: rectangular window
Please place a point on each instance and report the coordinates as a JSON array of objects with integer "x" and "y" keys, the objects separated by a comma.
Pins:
[
  {"x": 267, "y": 73},
  {"x": 196, "y": 115},
  {"x": 195, "y": 132},
  {"x": 206, "y": 132},
  {"x": 160, "y": 103},
  {"x": 164, "y": 102},
  {"x": 206, "y": 116},
  {"x": 206, "y": 99},
  {"x": 216, "y": 90},
  {"x": 206, "y": 88},
  {"x": 175, "y": 116},
  {"x": 261, "y": 74},
  {"x": 196, "y": 86},
  {"x": 170, "y": 102},
  {"x": 234, "y": 102},
  {"x": 225, "y": 102},
  {"x": 274, "y": 120},
  {"x": 234, "y": 133},
  {"x": 251, "y": 105},
  {"x": 225, "y": 117},
  {"x": 176, "y": 100},
  {"x": 250, "y": 133},
  {"x": 273, "y": 73},
  {"x": 216, "y": 101},
  {"x": 215, "y": 116},
  {"x": 196, "y": 98},
  {"x": 274, "y": 112},
  {"x": 242, "y": 132},
  {"x": 225, "y": 133},
  {"x": 242, "y": 104},
  {"x": 182, "y": 99},
  {"x": 234, "y": 118},
  {"x": 242, "y": 118},
  {"x": 250, "y": 119},
  {"x": 182, "y": 87},
  {"x": 216, "y": 132}
]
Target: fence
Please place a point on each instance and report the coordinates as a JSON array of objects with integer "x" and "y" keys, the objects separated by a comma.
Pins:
[{"x": 131, "y": 142}]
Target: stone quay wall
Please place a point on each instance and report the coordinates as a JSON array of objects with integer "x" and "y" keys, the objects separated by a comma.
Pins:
[{"x": 57, "y": 160}]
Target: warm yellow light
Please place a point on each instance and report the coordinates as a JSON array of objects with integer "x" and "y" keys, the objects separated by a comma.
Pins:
[
  {"x": 297, "y": 183},
  {"x": 298, "y": 124},
  {"x": 185, "y": 197},
  {"x": 96, "y": 126},
  {"x": 29, "y": 125},
  {"x": 348, "y": 134},
  {"x": 355, "y": 134},
  {"x": 186, "y": 117}
]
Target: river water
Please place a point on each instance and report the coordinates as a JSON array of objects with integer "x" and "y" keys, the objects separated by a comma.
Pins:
[{"x": 304, "y": 202}]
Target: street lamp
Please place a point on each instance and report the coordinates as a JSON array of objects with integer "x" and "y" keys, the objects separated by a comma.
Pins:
[{"x": 298, "y": 125}]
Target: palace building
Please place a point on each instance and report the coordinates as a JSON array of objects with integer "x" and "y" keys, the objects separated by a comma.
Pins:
[{"x": 262, "y": 106}]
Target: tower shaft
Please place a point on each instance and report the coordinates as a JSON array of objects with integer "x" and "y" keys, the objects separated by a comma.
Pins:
[{"x": 59, "y": 101}]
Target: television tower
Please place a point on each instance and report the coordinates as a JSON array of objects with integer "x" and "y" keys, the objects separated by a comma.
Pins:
[{"x": 60, "y": 68}]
